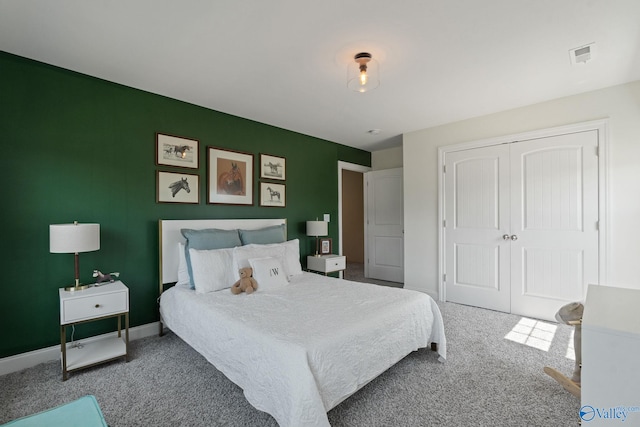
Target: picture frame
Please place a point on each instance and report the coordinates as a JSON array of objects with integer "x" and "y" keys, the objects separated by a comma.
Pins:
[
  {"x": 273, "y": 195},
  {"x": 175, "y": 187},
  {"x": 325, "y": 246},
  {"x": 177, "y": 151},
  {"x": 229, "y": 177},
  {"x": 273, "y": 167}
]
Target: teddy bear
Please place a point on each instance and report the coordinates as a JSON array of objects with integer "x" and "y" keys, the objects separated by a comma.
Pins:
[{"x": 246, "y": 283}]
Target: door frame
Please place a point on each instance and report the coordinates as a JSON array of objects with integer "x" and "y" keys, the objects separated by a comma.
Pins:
[
  {"x": 356, "y": 168},
  {"x": 602, "y": 126}
]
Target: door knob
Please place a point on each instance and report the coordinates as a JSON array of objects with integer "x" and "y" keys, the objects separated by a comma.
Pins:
[
  {"x": 506, "y": 237},
  {"x": 514, "y": 237}
]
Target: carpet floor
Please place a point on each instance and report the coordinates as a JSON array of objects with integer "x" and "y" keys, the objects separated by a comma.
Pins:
[
  {"x": 492, "y": 377},
  {"x": 355, "y": 272}
]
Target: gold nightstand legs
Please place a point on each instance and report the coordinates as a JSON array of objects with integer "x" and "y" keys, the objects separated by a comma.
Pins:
[
  {"x": 126, "y": 342},
  {"x": 63, "y": 349},
  {"x": 63, "y": 345}
]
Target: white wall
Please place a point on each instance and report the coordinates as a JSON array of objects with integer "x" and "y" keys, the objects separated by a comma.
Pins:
[
  {"x": 621, "y": 104},
  {"x": 389, "y": 158}
]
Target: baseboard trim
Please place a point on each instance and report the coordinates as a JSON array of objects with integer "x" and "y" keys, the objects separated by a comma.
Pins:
[{"x": 35, "y": 357}]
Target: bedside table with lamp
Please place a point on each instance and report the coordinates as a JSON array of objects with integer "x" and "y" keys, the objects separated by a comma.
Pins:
[
  {"x": 323, "y": 261},
  {"x": 86, "y": 303}
]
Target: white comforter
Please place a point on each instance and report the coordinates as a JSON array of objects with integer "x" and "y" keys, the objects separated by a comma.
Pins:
[{"x": 300, "y": 350}]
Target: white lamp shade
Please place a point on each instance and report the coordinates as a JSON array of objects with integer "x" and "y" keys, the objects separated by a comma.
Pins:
[
  {"x": 317, "y": 228},
  {"x": 74, "y": 238}
]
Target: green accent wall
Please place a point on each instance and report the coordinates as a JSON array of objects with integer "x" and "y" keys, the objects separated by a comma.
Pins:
[{"x": 75, "y": 147}]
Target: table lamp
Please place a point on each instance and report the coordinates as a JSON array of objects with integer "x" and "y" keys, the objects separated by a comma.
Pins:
[
  {"x": 317, "y": 228},
  {"x": 73, "y": 239}
]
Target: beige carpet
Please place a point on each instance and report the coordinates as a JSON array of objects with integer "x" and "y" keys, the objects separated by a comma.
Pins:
[
  {"x": 487, "y": 380},
  {"x": 355, "y": 273}
]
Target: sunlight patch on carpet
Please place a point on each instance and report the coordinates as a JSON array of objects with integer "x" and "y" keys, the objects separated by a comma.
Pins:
[
  {"x": 533, "y": 333},
  {"x": 571, "y": 352}
]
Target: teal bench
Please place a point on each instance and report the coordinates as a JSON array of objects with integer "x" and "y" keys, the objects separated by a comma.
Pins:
[{"x": 83, "y": 412}]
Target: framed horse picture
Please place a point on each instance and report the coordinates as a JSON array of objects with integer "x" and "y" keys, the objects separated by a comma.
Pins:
[
  {"x": 272, "y": 194},
  {"x": 176, "y": 151},
  {"x": 230, "y": 177},
  {"x": 177, "y": 187},
  {"x": 273, "y": 167}
]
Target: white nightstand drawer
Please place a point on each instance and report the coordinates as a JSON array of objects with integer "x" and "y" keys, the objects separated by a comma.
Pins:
[
  {"x": 336, "y": 264},
  {"x": 327, "y": 263},
  {"x": 89, "y": 304}
]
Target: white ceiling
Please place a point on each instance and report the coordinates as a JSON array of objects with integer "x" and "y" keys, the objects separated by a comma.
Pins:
[{"x": 284, "y": 62}]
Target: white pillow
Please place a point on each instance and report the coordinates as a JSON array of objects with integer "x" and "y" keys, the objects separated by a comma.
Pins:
[
  {"x": 212, "y": 269},
  {"x": 268, "y": 272},
  {"x": 292, "y": 256},
  {"x": 242, "y": 255},
  {"x": 183, "y": 271}
]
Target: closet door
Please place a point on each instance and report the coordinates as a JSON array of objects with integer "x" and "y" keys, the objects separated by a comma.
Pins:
[
  {"x": 554, "y": 217},
  {"x": 521, "y": 224},
  {"x": 477, "y": 258}
]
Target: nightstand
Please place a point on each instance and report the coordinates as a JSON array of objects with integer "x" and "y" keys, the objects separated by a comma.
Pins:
[
  {"x": 98, "y": 302},
  {"x": 326, "y": 263}
]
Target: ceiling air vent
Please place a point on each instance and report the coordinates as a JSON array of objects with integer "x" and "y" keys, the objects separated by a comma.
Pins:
[{"x": 582, "y": 54}]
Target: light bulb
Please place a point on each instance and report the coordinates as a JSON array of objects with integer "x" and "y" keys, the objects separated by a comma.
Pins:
[{"x": 363, "y": 77}]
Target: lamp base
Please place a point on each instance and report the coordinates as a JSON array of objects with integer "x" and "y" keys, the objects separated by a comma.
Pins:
[
  {"x": 76, "y": 287},
  {"x": 317, "y": 254}
]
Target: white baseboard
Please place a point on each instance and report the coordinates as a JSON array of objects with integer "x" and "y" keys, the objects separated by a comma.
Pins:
[{"x": 35, "y": 357}]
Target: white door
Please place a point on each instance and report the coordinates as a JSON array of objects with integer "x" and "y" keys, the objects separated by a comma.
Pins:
[
  {"x": 476, "y": 217},
  {"x": 554, "y": 217},
  {"x": 521, "y": 224},
  {"x": 385, "y": 225}
]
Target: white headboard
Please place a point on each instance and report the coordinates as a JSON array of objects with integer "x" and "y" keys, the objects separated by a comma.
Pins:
[{"x": 170, "y": 236}]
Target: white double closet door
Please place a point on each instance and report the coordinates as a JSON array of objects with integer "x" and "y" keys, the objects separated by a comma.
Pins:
[{"x": 521, "y": 224}]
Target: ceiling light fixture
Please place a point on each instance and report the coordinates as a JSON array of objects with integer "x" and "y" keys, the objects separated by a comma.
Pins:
[{"x": 362, "y": 75}]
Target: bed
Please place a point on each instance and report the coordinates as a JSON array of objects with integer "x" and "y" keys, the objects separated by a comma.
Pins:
[{"x": 297, "y": 347}]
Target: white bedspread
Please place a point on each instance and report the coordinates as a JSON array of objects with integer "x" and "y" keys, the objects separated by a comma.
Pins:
[{"x": 300, "y": 350}]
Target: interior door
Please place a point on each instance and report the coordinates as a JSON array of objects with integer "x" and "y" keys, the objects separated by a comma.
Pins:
[
  {"x": 385, "y": 225},
  {"x": 554, "y": 219},
  {"x": 521, "y": 224},
  {"x": 476, "y": 218}
]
